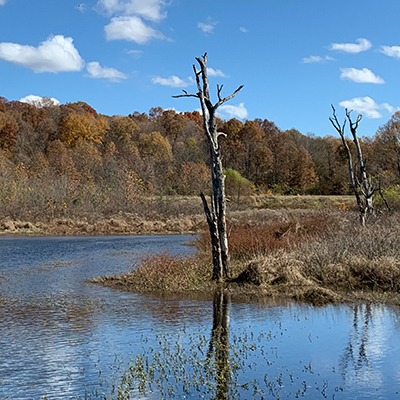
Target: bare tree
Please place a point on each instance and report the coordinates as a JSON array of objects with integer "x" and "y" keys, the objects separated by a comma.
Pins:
[
  {"x": 362, "y": 186},
  {"x": 216, "y": 214}
]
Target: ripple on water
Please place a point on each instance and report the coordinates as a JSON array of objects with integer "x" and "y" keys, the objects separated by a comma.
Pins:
[{"x": 62, "y": 337}]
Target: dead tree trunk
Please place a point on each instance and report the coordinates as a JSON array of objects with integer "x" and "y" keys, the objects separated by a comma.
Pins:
[
  {"x": 216, "y": 214},
  {"x": 366, "y": 186},
  {"x": 363, "y": 190}
]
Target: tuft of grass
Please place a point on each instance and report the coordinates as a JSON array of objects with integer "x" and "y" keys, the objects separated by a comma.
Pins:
[{"x": 165, "y": 274}]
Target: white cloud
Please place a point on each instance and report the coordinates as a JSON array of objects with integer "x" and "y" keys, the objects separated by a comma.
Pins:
[
  {"x": 367, "y": 107},
  {"x": 39, "y": 101},
  {"x": 243, "y": 29},
  {"x": 135, "y": 53},
  {"x": 2, "y": 2},
  {"x": 207, "y": 27},
  {"x": 316, "y": 59},
  {"x": 173, "y": 81},
  {"x": 230, "y": 111},
  {"x": 362, "y": 45},
  {"x": 131, "y": 28},
  {"x": 215, "y": 72},
  {"x": 56, "y": 54},
  {"x": 148, "y": 9},
  {"x": 360, "y": 75},
  {"x": 391, "y": 51},
  {"x": 96, "y": 71}
]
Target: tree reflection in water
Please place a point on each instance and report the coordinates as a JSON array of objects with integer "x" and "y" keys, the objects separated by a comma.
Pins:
[
  {"x": 219, "y": 343},
  {"x": 355, "y": 355}
]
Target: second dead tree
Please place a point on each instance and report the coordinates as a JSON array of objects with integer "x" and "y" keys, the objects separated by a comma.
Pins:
[{"x": 362, "y": 187}]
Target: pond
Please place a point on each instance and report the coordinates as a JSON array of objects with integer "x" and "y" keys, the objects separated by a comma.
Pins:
[{"x": 62, "y": 338}]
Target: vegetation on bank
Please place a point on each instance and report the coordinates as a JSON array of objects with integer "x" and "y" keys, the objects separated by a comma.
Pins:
[
  {"x": 69, "y": 162},
  {"x": 164, "y": 215},
  {"x": 303, "y": 255}
]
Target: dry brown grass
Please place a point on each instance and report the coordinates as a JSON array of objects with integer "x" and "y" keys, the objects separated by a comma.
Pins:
[
  {"x": 248, "y": 239},
  {"x": 311, "y": 256},
  {"x": 343, "y": 262},
  {"x": 158, "y": 215},
  {"x": 321, "y": 203},
  {"x": 165, "y": 274}
]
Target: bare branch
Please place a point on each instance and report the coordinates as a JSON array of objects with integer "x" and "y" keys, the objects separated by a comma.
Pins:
[
  {"x": 225, "y": 99},
  {"x": 203, "y": 66},
  {"x": 353, "y": 125},
  {"x": 197, "y": 76},
  {"x": 185, "y": 95},
  {"x": 335, "y": 122},
  {"x": 221, "y": 134},
  {"x": 219, "y": 89}
]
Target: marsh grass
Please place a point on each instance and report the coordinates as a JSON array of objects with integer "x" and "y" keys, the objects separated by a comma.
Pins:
[
  {"x": 183, "y": 367},
  {"x": 317, "y": 257},
  {"x": 247, "y": 240},
  {"x": 158, "y": 215},
  {"x": 165, "y": 274}
]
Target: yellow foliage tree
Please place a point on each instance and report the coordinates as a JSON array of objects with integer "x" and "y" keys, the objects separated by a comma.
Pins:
[
  {"x": 153, "y": 146},
  {"x": 83, "y": 127}
]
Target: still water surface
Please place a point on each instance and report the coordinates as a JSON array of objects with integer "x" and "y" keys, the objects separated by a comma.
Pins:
[{"x": 62, "y": 338}]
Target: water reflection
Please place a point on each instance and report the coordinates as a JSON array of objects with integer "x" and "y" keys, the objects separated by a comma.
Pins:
[
  {"x": 355, "y": 356},
  {"x": 63, "y": 338},
  {"x": 219, "y": 343}
]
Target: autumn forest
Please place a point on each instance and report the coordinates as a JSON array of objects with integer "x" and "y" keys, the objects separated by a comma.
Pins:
[{"x": 68, "y": 160}]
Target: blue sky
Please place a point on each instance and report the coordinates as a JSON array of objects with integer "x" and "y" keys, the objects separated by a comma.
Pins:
[{"x": 295, "y": 57}]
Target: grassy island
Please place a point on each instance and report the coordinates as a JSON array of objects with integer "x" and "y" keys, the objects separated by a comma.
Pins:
[{"x": 304, "y": 254}]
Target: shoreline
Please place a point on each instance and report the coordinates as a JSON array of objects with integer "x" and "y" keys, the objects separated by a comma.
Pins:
[{"x": 113, "y": 226}]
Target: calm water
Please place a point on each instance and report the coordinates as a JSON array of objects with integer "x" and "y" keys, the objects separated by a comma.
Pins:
[{"x": 62, "y": 338}]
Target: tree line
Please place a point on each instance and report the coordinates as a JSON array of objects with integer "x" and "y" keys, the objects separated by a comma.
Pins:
[{"x": 61, "y": 159}]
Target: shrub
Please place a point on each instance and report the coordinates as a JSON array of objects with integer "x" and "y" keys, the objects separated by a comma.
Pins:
[{"x": 237, "y": 185}]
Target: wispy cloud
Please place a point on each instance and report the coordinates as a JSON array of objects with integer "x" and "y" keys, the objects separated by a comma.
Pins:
[
  {"x": 2, "y": 2},
  {"x": 208, "y": 26},
  {"x": 316, "y": 59},
  {"x": 360, "y": 75},
  {"x": 131, "y": 28},
  {"x": 361, "y": 45},
  {"x": 243, "y": 29},
  {"x": 391, "y": 51},
  {"x": 367, "y": 107},
  {"x": 173, "y": 81},
  {"x": 96, "y": 71},
  {"x": 229, "y": 111},
  {"x": 215, "y": 72},
  {"x": 39, "y": 101},
  {"x": 56, "y": 54},
  {"x": 135, "y": 53},
  {"x": 152, "y": 10}
]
